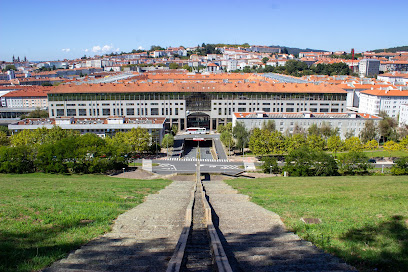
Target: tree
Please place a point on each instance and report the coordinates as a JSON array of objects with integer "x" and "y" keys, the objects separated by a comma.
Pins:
[
  {"x": 294, "y": 142},
  {"x": 16, "y": 159},
  {"x": 174, "y": 129},
  {"x": 371, "y": 145},
  {"x": 4, "y": 140},
  {"x": 404, "y": 143},
  {"x": 174, "y": 65},
  {"x": 227, "y": 139},
  {"x": 369, "y": 132},
  {"x": 316, "y": 143},
  {"x": 400, "y": 166},
  {"x": 270, "y": 165},
  {"x": 139, "y": 139},
  {"x": 387, "y": 128},
  {"x": 327, "y": 130},
  {"x": 304, "y": 161},
  {"x": 10, "y": 67},
  {"x": 167, "y": 141},
  {"x": 258, "y": 141},
  {"x": 269, "y": 126},
  {"x": 265, "y": 60},
  {"x": 241, "y": 135},
  {"x": 391, "y": 146},
  {"x": 353, "y": 163},
  {"x": 353, "y": 144},
  {"x": 335, "y": 144},
  {"x": 314, "y": 130}
]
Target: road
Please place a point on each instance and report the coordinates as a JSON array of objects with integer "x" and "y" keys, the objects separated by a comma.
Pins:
[{"x": 168, "y": 167}]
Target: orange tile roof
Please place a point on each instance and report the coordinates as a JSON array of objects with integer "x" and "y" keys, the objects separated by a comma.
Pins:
[
  {"x": 37, "y": 91},
  {"x": 259, "y": 87},
  {"x": 379, "y": 92}
]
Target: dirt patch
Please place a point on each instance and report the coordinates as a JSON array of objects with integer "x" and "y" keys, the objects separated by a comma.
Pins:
[
  {"x": 137, "y": 174},
  {"x": 260, "y": 175}
]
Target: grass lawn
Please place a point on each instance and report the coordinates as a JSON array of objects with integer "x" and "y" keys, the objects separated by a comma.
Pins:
[
  {"x": 383, "y": 153},
  {"x": 44, "y": 216},
  {"x": 364, "y": 219}
]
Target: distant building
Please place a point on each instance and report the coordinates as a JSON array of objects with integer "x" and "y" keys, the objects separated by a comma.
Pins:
[
  {"x": 30, "y": 97},
  {"x": 100, "y": 126},
  {"x": 264, "y": 49},
  {"x": 387, "y": 100},
  {"x": 286, "y": 122},
  {"x": 403, "y": 115},
  {"x": 369, "y": 67}
]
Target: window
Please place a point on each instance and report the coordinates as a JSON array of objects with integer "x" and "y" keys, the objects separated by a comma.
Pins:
[
  {"x": 266, "y": 109},
  {"x": 60, "y": 112},
  {"x": 130, "y": 111},
  {"x": 324, "y": 110},
  {"x": 105, "y": 112},
  {"x": 289, "y": 109},
  {"x": 154, "y": 111},
  {"x": 241, "y": 110},
  {"x": 82, "y": 112}
]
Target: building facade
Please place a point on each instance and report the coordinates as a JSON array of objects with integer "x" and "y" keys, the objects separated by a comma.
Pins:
[
  {"x": 286, "y": 122},
  {"x": 192, "y": 104},
  {"x": 388, "y": 101}
]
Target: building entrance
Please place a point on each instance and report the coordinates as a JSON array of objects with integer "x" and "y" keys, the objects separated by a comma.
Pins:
[{"x": 198, "y": 119}]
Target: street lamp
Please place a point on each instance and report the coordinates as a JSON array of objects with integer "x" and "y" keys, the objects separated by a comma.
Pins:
[{"x": 270, "y": 169}]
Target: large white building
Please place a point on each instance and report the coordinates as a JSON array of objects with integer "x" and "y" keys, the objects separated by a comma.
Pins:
[
  {"x": 29, "y": 97},
  {"x": 193, "y": 100},
  {"x": 387, "y": 100},
  {"x": 286, "y": 122}
]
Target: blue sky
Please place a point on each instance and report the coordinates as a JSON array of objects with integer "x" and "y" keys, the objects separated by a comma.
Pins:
[{"x": 58, "y": 29}]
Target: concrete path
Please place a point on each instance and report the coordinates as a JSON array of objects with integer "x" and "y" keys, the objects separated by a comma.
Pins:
[
  {"x": 142, "y": 239},
  {"x": 256, "y": 239}
]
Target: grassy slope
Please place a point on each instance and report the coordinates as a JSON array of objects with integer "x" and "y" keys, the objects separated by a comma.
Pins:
[
  {"x": 364, "y": 219},
  {"x": 42, "y": 217}
]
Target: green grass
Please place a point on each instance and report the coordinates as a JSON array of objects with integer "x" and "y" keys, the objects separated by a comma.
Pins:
[
  {"x": 383, "y": 153},
  {"x": 364, "y": 219},
  {"x": 44, "y": 216},
  {"x": 141, "y": 164}
]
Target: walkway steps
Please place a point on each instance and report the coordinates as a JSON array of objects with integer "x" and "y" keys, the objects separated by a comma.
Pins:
[
  {"x": 142, "y": 239},
  {"x": 256, "y": 239}
]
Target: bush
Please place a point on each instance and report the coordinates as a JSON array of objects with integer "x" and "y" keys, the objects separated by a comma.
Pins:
[
  {"x": 270, "y": 165},
  {"x": 16, "y": 160},
  {"x": 354, "y": 163},
  {"x": 307, "y": 162},
  {"x": 400, "y": 167}
]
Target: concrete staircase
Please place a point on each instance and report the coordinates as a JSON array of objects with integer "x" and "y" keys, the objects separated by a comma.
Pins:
[
  {"x": 256, "y": 240},
  {"x": 142, "y": 239}
]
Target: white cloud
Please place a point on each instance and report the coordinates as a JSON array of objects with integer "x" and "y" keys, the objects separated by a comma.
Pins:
[
  {"x": 103, "y": 49},
  {"x": 96, "y": 48},
  {"x": 66, "y": 49},
  {"x": 86, "y": 50},
  {"x": 140, "y": 48}
]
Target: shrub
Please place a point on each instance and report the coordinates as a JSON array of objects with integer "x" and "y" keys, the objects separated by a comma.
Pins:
[
  {"x": 354, "y": 163},
  {"x": 270, "y": 165},
  {"x": 400, "y": 167}
]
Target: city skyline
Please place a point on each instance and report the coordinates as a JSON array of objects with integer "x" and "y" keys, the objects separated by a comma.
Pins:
[{"x": 52, "y": 30}]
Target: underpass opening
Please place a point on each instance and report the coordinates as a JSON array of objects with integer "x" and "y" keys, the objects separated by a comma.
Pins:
[{"x": 198, "y": 147}]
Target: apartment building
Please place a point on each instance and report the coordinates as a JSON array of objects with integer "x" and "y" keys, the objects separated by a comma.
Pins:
[
  {"x": 403, "y": 115},
  {"x": 369, "y": 67},
  {"x": 286, "y": 122},
  {"x": 388, "y": 100},
  {"x": 29, "y": 97},
  {"x": 190, "y": 101}
]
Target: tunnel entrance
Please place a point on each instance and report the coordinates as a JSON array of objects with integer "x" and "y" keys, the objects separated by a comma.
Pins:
[{"x": 202, "y": 149}]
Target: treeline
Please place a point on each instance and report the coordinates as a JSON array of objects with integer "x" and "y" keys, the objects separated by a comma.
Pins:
[
  {"x": 298, "y": 68},
  {"x": 63, "y": 151},
  {"x": 308, "y": 148}
]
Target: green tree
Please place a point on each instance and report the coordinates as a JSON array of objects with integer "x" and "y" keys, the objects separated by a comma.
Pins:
[
  {"x": 335, "y": 144},
  {"x": 369, "y": 132},
  {"x": 258, "y": 141},
  {"x": 353, "y": 144},
  {"x": 270, "y": 165},
  {"x": 227, "y": 139},
  {"x": 400, "y": 166},
  {"x": 391, "y": 146},
  {"x": 265, "y": 60},
  {"x": 371, "y": 145},
  {"x": 4, "y": 140},
  {"x": 387, "y": 128},
  {"x": 16, "y": 159},
  {"x": 316, "y": 143},
  {"x": 294, "y": 142},
  {"x": 167, "y": 141},
  {"x": 304, "y": 161},
  {"x": 269, "y": 125},
  {"x": 139, "y": 139},
  {"x": 10, "y": 67},
  {"x": 354, "y": 163},
  {"x": 174, "y": 65},
  {"x": 174, "y": 129},
  {"x": 314, "y": 130},
  {"x": 241, "y": 135}
]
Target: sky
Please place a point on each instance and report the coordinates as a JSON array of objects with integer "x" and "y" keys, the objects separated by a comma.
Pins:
[{"x": 55, "y": 30}]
